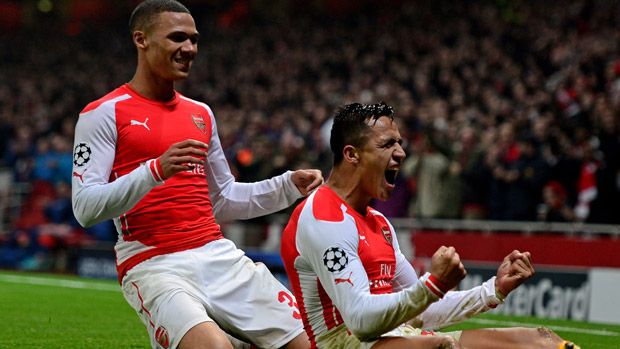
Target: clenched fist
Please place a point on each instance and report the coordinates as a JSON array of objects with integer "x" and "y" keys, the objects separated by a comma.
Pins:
[
  {"x": 514, "y": 270},
  {"x": 307, "y": 180},
  {"x": 446, "y": 266},
  {"x": 182, "y": 156}
]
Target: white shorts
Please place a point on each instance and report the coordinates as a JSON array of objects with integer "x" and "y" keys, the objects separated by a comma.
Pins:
[{"x": 216, "y": 282}]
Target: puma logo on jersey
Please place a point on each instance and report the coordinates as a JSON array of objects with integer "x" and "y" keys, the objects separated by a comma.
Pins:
[
  {"x": 363, "y": 238},
  {"x": 342, "y": 280},
  {"x": 80, "y": 176},
  {"x": 143, "y": 123}
]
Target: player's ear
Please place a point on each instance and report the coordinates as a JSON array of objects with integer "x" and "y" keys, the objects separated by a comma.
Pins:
[
  {"x": 351, "y": 154},
  {"x": 139, "y": 39}
]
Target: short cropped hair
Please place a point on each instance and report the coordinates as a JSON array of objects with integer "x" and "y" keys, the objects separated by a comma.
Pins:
[
  {"x": 143, "y": 16},
  {"x": 351, "y": 128}
]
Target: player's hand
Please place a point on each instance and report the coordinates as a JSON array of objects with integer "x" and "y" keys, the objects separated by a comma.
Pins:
[
  {"x": 514, "y": 270},
  {"x": 182, "y": 156},
  {"x": 447, "y": 267},
  {"x": 307, "y": 180}
]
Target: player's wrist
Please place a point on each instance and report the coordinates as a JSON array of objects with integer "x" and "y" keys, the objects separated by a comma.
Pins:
[
  {"x": 501, "y": 296},
  {"x": 156, "y": 170},
  {"x": 436, "y": 286}
]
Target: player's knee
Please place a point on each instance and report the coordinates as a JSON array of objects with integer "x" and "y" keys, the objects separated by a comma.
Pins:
[
  {"x": 542, "y": 337},
  {"x": 212, "y": 343},
  {"x": 205, "y": 336}
]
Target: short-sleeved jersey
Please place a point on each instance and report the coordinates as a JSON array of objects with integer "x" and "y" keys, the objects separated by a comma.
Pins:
[
  {"x": 117, "y": 174},
  {"x": 346, "y": 269}
]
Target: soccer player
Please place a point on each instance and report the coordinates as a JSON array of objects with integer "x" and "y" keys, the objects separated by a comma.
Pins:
[
  {"x": 150, "y": 158},
  {"x": 354, "y": 287}
]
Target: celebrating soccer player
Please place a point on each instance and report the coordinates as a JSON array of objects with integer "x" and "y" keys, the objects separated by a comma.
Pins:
[
  {"x": 354, "y": 287},
  {"x": 150, "y": 158}
]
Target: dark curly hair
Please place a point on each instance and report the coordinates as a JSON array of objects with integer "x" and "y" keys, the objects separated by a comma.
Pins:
[{"x": 350, "y": 125}]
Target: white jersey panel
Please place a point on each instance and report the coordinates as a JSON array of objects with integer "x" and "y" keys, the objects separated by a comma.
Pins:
[{"x": 94, "y": 198}]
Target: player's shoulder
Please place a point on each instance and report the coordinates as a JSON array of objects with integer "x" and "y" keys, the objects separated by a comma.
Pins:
[
  {"x": 325, "y": 205},
  {"x": 196, "y": 104},
  {"x": 376, "y": 213},
  {"x": 118, "y": 93}
]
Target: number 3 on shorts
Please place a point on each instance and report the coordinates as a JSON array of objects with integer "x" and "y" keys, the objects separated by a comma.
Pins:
[{"x": 288, "y": 298}]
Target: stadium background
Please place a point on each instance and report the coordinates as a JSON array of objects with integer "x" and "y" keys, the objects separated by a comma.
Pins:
[{"x": 510, "y": 113}]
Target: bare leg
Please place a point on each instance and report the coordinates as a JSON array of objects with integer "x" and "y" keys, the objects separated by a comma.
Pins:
[
  {"x": 417, "y": 342},
  {"x": 510, "y": 338},
  {"x": 205, "y": 335},
  {"x": 300, "y": 342}
]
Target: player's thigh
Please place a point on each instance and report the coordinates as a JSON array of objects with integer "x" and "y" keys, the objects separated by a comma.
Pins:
[
  {"x": 205, "y": 335},
  {"x": 417, "y": 342},
  {"x": 253, "y": 306},
  {"x": 507, "y": 338},
  {"x": 167, "y": 307}
]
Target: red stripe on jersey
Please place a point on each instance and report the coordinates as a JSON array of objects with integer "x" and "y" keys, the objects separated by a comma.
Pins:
[
  {"x": 429, "y": 284},
  {"x": 124, "y": 226},
  {"x": 289, "y": 254},
  {"x": 156, "y": 170},
  {"x": 330, "y": 313}
]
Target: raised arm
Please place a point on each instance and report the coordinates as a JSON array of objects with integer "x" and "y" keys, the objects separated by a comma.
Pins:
[{"x": 233, "y": 200}]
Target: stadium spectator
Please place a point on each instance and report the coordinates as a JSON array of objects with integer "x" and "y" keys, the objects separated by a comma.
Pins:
[
  {"x": 354, "y": 287},
  {"x": 554, "y": 207},
  {"x": 141, "y": 156}
]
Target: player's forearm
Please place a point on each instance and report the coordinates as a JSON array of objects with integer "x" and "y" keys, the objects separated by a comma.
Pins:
[
  {"x": 457, "y": 306},
  {"x": 248, "y": 200},
  {"x": 375, "y": 315},
  {"x": 96, "y": 203}
]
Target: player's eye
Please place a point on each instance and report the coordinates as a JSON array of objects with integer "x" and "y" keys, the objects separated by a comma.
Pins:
[{"x": 178, "y": 37}]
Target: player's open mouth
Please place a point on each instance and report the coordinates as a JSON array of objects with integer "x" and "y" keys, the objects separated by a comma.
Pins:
[{"x": 390, "y": 176}]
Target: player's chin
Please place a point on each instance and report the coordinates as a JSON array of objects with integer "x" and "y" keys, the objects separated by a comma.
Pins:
[
  {"x": 385, "y": 192},
  {"x": 181, "y": 74}
]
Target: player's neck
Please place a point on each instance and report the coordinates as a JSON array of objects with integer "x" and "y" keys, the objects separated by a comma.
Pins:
[
  {"x": 152, "y": 87},
  {"x": 346, "y": 186}
]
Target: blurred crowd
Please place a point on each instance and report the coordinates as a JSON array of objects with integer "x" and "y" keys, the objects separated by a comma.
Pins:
[{"x": 510, "y": 110}]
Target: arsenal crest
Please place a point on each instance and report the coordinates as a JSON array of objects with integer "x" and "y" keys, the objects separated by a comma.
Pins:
[
  {"x": 161, "y": 336},
  {"x": 387, "y": 234},
  {"x": 200, "y": 123}
]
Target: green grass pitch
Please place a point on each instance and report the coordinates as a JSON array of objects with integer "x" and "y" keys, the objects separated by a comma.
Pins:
[{"x": 48, "y": 312}]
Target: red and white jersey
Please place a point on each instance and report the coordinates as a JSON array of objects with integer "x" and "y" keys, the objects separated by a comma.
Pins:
[
  {"x": 116, "y": 175},
  {"x": 346, "y": 269}
]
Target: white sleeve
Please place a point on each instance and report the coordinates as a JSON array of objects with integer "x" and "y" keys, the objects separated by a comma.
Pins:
[
  {"x": 405, "y": 275},
  {"x": 366, "y": 315},
  {"x": 457, "y": 306},
  {"x": 94, "y": 198},
  {"x": 232, "y": 200}
]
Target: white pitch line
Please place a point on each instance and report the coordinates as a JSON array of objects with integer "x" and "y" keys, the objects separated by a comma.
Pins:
[
  {"x": 33, "y": 280},
  {"x": 553, "y": 327}
]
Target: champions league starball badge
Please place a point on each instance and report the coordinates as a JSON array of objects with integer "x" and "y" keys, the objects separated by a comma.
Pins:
[
  {"x": 81, "y": 154},
  {"x": 335, "y": 259}
]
